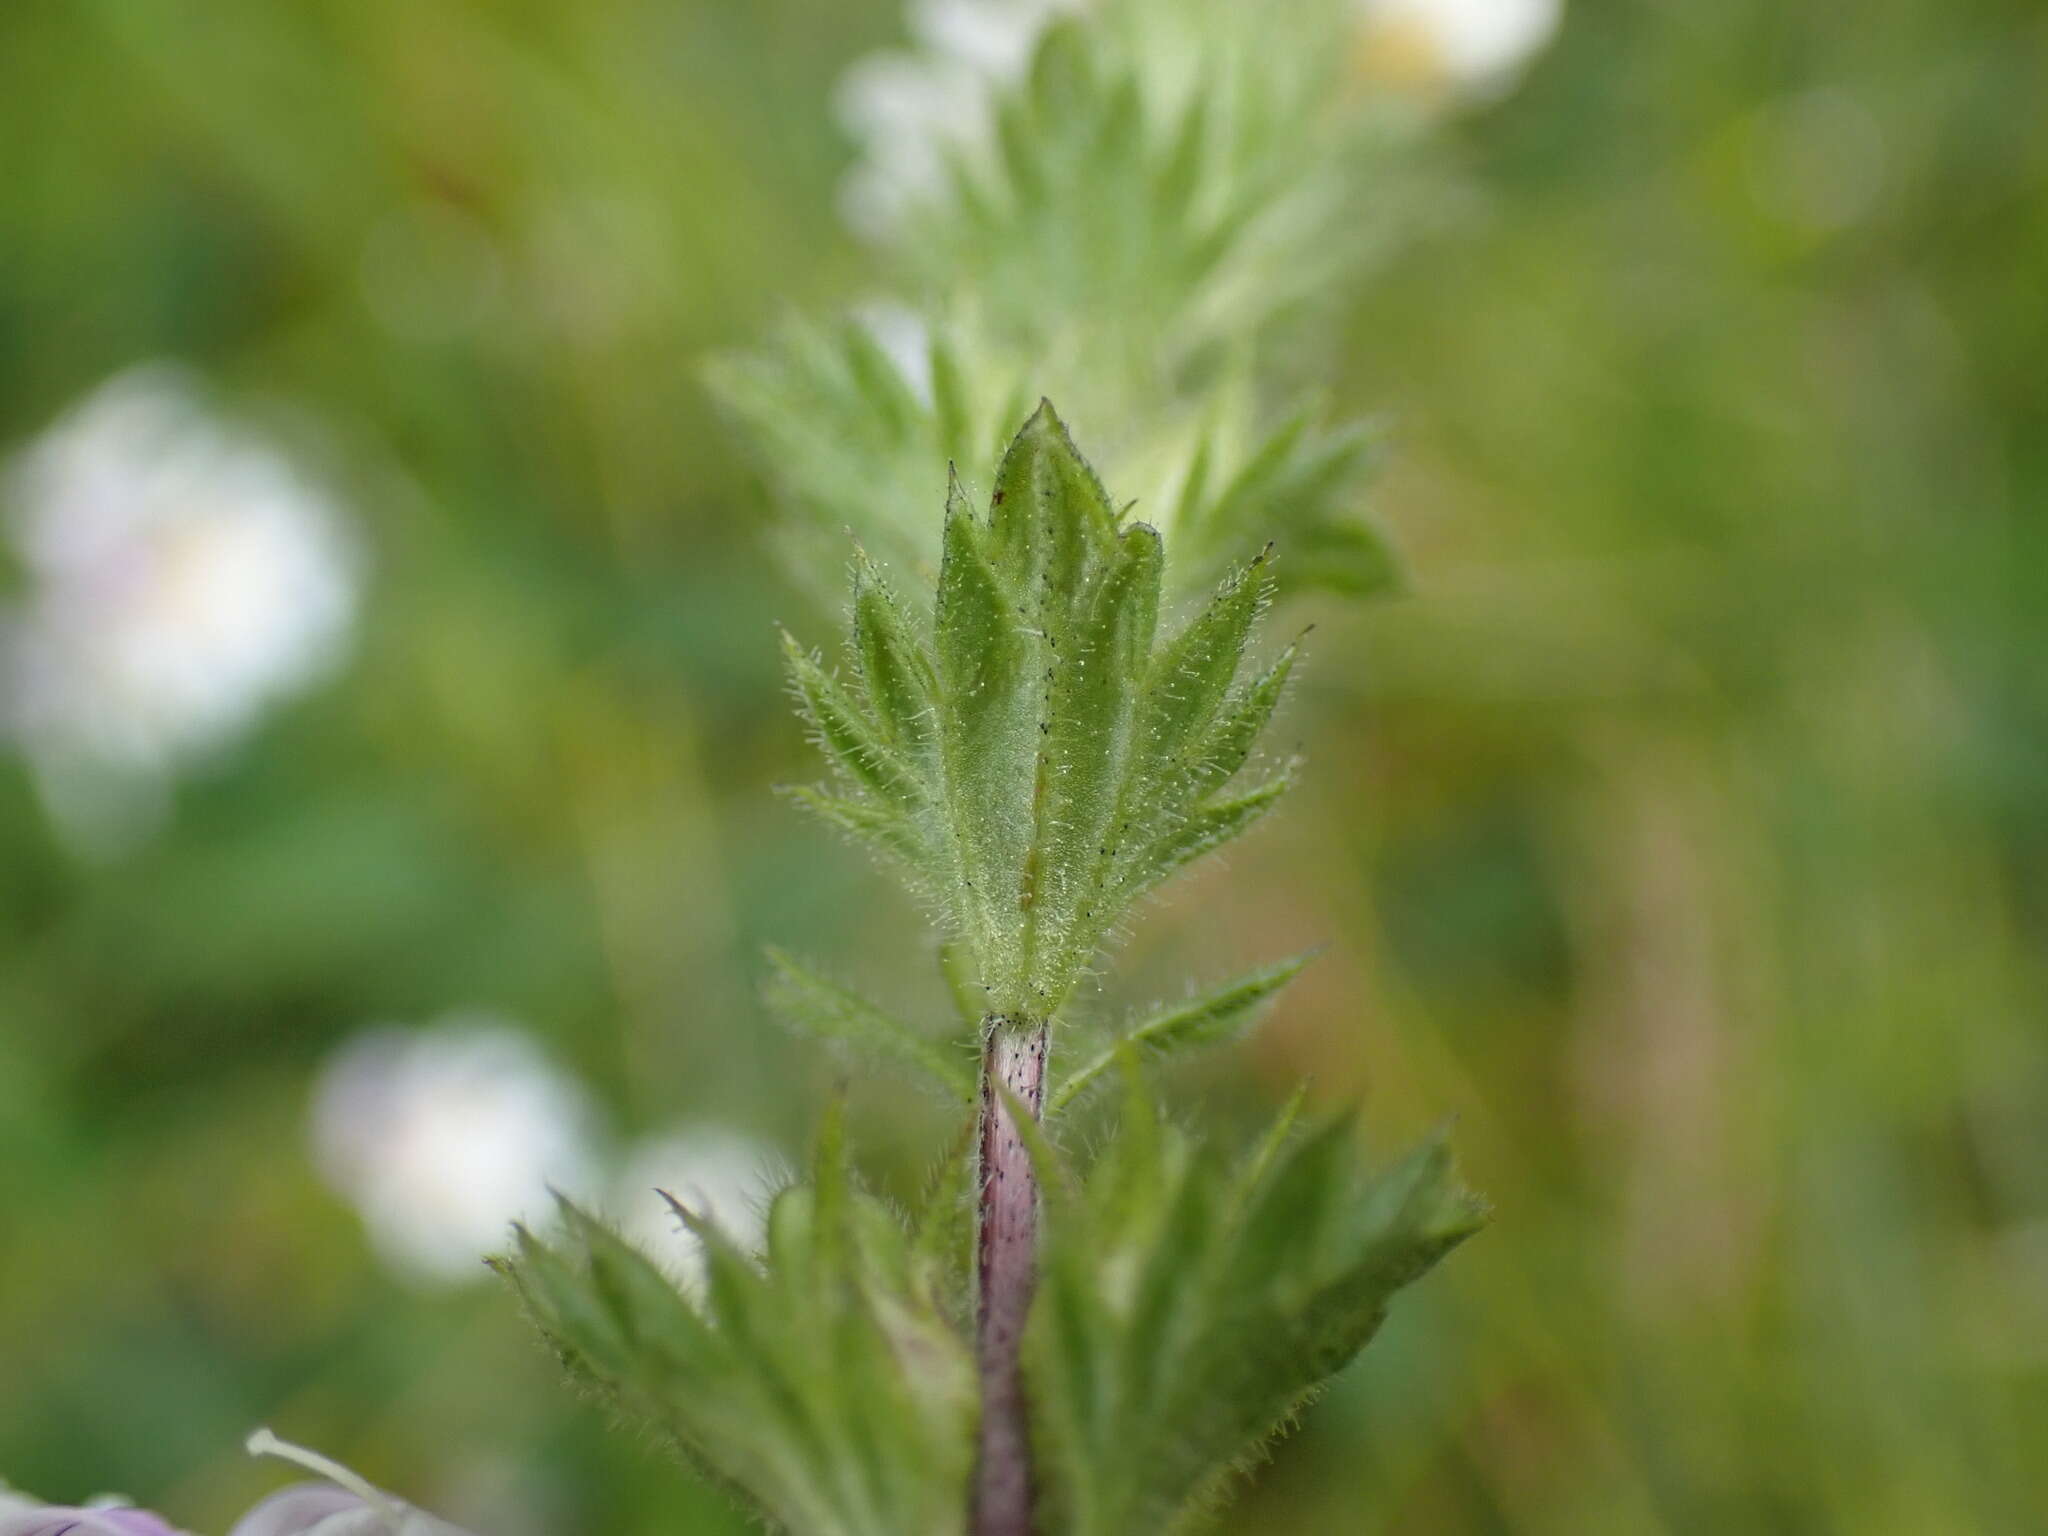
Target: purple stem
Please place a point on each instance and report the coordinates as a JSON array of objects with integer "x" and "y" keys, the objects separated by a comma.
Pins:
[{"x": 1013, "y": 1054}]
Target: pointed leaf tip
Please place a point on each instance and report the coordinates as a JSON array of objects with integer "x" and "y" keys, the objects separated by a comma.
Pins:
[{"x": 1028, "y": 745}]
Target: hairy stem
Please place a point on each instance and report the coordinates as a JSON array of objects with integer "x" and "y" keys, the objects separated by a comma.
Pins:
[{"x": 1013, "y": 1056}]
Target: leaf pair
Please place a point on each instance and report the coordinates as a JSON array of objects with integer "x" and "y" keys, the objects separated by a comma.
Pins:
[
  {"x": 1187, "y": 1307},
  {"x": 822, "y": 1009},
  {"x": 1036, "y": 758}
]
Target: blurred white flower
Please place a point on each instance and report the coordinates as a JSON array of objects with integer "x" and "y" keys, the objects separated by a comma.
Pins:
[
  {"x": 441, "y": 1137},
  {"x": 182, "y": 573},
  {"x": 911, "y": 110},
  {"x": 717, "y": 1173},
  {"x": 1464, "y": 46}
]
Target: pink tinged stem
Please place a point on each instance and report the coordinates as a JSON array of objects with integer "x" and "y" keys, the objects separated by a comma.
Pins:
[{"x": 1013, "y": 1055}]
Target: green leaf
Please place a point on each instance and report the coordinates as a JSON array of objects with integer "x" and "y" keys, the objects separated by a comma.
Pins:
[
  {"x": 1201, "y": 831},
  {"x": 1304, "y": 484},
  {"x": 1179, "y": 175},
  {"x": 850, "y": 740},
  {"x": 943, "y": 1226},
  {"x": 813, "y": 1006},
  {"x": 1215, "y": 1017},
  {"x": 1086, "y": 745},
  {"x": 895, "y": 666},
  {"x": 1231, "y": 736},
  {"x": 878, "y": 381},
  {"x": 1176, "y": 1332},
  {"x": 820, "y": 1383},
  {"x": 956, "y": 969},
  {"x": 1041, "y": 759},
  {"x": 1188, "y": 682},
  {"x": 1050, "y": 521},
  {"x": 952, "y": 403},
  {"x": 881, "y": 828},
  {"x": 988, "y": 725}
]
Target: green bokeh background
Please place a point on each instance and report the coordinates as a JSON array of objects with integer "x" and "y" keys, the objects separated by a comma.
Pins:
[{"x": 1683, "y": 831}]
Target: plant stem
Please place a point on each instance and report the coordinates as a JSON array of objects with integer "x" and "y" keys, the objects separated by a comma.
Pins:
[{"x": 1013, "y": 1056}]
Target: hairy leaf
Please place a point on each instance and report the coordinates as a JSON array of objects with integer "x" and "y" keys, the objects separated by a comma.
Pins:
[
  {"x": 824, "y": 1383},
  {"x": 895, "y": 667},
  {"x": 881, "y": 828},
  {"x": 846, "y": 733},
  {"x": 1209, "y": 1018},
  {"x": 824, "y": 1010},
  {"x": 1187, "y": 1309},
  {"x": 1040, "y": 758}
]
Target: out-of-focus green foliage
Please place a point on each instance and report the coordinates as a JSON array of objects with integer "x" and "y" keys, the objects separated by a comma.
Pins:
[
  {"x": 1170, "y": 189},
  {"x": 1682, "y": 828}
]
